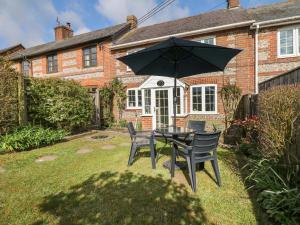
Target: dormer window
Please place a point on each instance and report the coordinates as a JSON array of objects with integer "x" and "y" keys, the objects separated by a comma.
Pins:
[
  {"x": 52, "y": 64},
  {"x": 90, "y": 56}
]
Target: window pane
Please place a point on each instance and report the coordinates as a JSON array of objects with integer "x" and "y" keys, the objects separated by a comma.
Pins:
[
  {"x": 286, "y": 42},
  {"x": 131, "y": 98},
  {"x": 52, "y": 63},
  {"x": 139, "y": 98},
  {"x": 94, "y": 49},
  {"x": 209, "y": 41},
  {"x": 210, "y": 99},
  {"x": 147, "y": 101},
  {"x": 178, "y": 100},
  {"x": 25, "y": 68},
  {"x": 197, "y": 98},
  {"x": 90, "y": 56}
]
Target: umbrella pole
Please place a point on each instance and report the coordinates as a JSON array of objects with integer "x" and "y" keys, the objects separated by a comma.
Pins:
[{"x": 174, "y": 102}]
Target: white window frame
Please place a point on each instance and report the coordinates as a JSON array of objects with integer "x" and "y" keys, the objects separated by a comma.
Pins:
[
  {"x": 203, "y": 99},
  {"x": 201, "y": 40},
  {"x": 136, "y": 98},
  {"x": 295, "y": 42},
  {"x": 143, "y": 102}
]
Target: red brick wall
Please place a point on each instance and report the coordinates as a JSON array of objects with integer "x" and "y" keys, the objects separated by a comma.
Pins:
[
  {"x": 240, "y": 70},
  {"x": 70, "y": 64},
  {"x": 269, "y": 62}
]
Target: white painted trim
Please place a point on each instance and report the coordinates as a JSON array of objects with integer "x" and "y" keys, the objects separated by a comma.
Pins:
[
  {"x": 165, "y": 79},
  {"x": 296, "y": 51},
  {"x": 275, "y": 21},
  {"x": 143, "y": 102},
  {"x": 203, "y": 100},
  {"x": 184, "y": 34},
  {"x": 136, "y": 99}
]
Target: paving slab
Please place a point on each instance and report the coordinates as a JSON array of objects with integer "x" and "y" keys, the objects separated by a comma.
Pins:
[
  {"x": 84, "y": 150},
  {"x": 108, "y": 147},
  {"x": 125, "y": 144},
  {"x": 2, "y": 170},
  {"x": 46, "y": 158}
]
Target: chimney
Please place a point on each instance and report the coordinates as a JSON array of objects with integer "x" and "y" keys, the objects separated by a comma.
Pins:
[
  {"x": 132, "y": 20},
  {"x": 63, "y": 32},
  {"x": 233, "y": 4}
]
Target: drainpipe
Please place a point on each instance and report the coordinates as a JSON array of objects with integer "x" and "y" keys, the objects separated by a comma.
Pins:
[{"x": 256, "y": 58}]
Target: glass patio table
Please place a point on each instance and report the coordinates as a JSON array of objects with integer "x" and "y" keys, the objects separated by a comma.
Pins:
[{"x": 174, "y": 133}]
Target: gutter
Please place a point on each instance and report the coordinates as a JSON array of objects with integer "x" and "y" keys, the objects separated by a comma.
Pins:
[
  {"x": 184, "y": 34},
  {"x": 256, "y": 59},
  {"x": 281, "y": 21}
]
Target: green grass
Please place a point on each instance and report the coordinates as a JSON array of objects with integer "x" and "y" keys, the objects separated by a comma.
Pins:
[{"x": 99, "y": 188}]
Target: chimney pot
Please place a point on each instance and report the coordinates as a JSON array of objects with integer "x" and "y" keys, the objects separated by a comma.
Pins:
[
  {"x": 132, "y": 20},
  {"x": 232, "y": 4}
]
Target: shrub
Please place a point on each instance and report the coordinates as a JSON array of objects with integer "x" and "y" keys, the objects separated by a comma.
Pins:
[
  {"x": 29, "y": 137},
  {"x": 230, "y": 95},
  {"x": 279, "y": 127},
  {"x": 59, "y": 104},
  {"x": 249, "y": 128},
  {"x": 281, "y": 201},
  {"x": 118, "y": 124}
]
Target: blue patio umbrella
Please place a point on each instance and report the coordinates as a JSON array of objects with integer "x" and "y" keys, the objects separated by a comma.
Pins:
[{"x": 179, "y": 58}]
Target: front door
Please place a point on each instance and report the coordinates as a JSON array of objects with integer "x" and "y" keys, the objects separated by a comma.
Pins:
[{"x": 162, "y": 112}]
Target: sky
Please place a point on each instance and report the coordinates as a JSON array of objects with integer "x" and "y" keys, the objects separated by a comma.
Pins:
[{"x": 31, "y": 22}]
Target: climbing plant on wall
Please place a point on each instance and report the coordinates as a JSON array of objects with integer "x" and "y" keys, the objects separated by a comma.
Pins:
[
  {"x": 12, "y": 111},
  {"x": 113, "y": 94}
]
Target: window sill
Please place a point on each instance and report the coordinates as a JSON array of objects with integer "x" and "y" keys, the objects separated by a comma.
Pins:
[
  {"x": 131, "y": 108},
  {"x": 87, "y": 67},
  {"x": 287, "y": 56},
  {"x": 203, "y": 113}
]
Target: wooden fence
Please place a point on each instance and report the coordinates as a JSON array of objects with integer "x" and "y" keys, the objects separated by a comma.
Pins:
[
  {"x": 291, "y": 77},
  {"x": 247, "y": 107}
]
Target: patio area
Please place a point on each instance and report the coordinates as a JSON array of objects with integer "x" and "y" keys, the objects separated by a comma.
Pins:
[{"x": 87, "y": 181}]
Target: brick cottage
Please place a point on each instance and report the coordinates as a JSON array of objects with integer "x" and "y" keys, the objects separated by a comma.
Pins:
[{"x": 269, "y": 36}]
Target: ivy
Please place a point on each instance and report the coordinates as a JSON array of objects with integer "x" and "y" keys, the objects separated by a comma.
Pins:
[
  {"x": 11, "y": 96},
  {"x": 114, "y": 93}
]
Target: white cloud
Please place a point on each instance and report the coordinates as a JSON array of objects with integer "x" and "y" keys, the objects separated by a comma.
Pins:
[
  {"x": 75, "y": 20},
  {"x": 31, "y": 22},
  {"x": 116, "y": 11}
]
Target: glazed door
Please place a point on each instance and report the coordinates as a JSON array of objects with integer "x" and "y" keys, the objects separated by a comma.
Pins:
[{"x": 161, "y": 112}]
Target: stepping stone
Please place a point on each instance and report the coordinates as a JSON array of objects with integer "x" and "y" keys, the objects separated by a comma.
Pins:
[
  {"x": 124, "y": 144},
  {"x": 84, "y": 150},
  {"x": 108, "y": 147},
  {"x": 46, "y": 158},
  {"x": 2, "y": 170}
]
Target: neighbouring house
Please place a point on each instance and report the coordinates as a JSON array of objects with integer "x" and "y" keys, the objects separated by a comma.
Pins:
[
  {"x": 85, "y": 57},
  {"x": 10, "y": 50},
  {"x": 269, "y": 36}
]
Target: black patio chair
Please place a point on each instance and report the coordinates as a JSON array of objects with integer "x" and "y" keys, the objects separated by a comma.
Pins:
[
  {"x": 138, "y": 140},
  {"x": 203, "y": 148},
  {"x": 197, "y": 126}
]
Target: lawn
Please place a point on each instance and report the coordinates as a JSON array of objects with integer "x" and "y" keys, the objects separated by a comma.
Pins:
[{"x": 97, "y": 187}]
